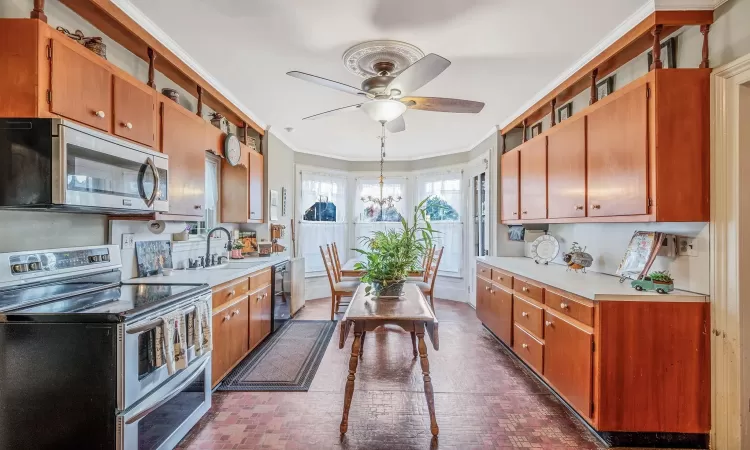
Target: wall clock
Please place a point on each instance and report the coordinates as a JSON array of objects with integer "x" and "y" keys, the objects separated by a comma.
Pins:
[
  {"x": 544, "y": 249},
  {"x": 232, "y": 150}
]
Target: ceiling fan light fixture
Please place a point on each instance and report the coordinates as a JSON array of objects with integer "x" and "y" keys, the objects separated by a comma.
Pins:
[{"x": 383, "y": 110}]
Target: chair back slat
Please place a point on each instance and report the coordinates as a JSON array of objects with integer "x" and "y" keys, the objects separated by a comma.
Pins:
[
  {"x": 434, "y": 269},
  {"x": 329, "y": 270},
  {"x": 336, "y": 272},
  {"x": 336, "y": 258},
  {"x": 427, "y": 264}
]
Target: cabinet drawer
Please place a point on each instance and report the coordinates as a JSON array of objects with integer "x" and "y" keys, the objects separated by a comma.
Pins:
[
  {"x": 484, "y": 271},
  {"x": 228, "y": 291},
  {"x": 502, "y": 312},
  {"x": 502, "y": 278},
  {"x": 529, "y": 316},
  {"x": 570, "y": 307},
  {"x": 260, "y": 279},
  {"x": 528, "y": 289},
  {"x": 528, "y": 348}
]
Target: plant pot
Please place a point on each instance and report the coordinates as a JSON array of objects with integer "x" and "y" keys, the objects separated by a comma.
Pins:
[
  {"x": 236, "y": 254},
  {"x": 392, "y": 290}
]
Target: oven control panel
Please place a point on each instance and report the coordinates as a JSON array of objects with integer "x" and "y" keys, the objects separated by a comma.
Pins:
[{"x": 54, "y": 261}]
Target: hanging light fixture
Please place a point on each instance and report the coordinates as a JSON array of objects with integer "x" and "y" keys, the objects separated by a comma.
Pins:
[
  {"x": 383, "y": 110},
  {"x": 382, "y": 202}
]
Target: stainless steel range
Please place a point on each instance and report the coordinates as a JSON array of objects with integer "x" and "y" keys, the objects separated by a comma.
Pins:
[{"x": 78, "y": 355}]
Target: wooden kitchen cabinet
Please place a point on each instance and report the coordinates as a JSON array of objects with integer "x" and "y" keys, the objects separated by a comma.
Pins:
[
  {"x": 509, "y": 185},
  {"x": 534, "y": 179},
  {"x": 134, "y": 111},
  {"x": 618, "y": 156},
  {"x": 183, "y": 139},
  {"x": 79, "y": 88},
  {"x": 255, "y": 187},
  {"x": 484, "y": 301},
  {"x": 568, "y": 361},
  {"x": 229, "y": 336},
  {"x": 266, "y": 313},
  {"x": 566, "y": 169},
  {"x": 260, "y": 316},
  {"x": 501, "y": 302}
]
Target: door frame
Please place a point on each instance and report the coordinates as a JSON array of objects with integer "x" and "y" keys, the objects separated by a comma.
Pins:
[
  {"x": 474, "y": 168},
  {"x": 730, "y": 216}
]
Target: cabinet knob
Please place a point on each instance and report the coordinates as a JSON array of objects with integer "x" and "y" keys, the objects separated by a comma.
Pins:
[
  {"x": 486, "y": 288},
  {"x": 231, "y": 293},
  {"x": 524, "y": 314},
  {"x": 579, "y": 207},
  {"x": 235, "y": 312},
  {"x": 596, "y": 206},
  {"x": 525, "y": 212},
  {"x": 563, "y": 305},
  {"x": 227, "y": 317},
  {"x": 492, "y": 291},
  {"x": 128, "y": 125},
  {"x": 525, "y": 345},
  {"x": 525, "y": 289},
  {"x": 515, "y": 213},
  {"x": 500, "y": 278},
  {"x": 197, "y": 206},
  {"x": 547, "y": 323},
  {"x": 99, "y": 114}
]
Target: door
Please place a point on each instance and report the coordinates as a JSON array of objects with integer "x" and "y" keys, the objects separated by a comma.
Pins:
[
  {"x": 183, "y": 139},
  {"x": 255, "y": 331},
  {"x": 81, "y": 89},
  {"x": 134, "y": 111},
  {"x": 479, "y": 213},
  {"x": 502, "y": 311},
  {"x": 484, "y": 305},
  {"x": 566, "y": 169},
  {"x": 617, "y": 156},
  {"x": 534, "y": 179},
  {"x": 266, "y": 313},
  {"x": 255, "y": 186},
  {"x": 568, "y": 361},
  {"x": 240, "y": 316},
  {"x": 509, "y": 185},
  {"x": 221, "y": 353}
]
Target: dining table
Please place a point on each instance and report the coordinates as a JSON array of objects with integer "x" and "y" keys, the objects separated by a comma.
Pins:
[
  {"x": 348, "y": 270},
  {"x": 412, "y": 313}
]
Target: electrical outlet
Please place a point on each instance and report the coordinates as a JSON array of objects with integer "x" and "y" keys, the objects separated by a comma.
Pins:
[
  {"x": 128, "y": 240},
  {"x": 686, "y": 246}
]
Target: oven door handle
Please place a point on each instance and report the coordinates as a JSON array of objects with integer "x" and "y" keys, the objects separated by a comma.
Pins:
[
  {"x": 148, "y": 410},
  {"x": 142, "y": 188}
]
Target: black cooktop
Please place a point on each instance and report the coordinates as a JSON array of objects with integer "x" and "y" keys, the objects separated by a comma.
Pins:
[{"x": 92, "y": 298}]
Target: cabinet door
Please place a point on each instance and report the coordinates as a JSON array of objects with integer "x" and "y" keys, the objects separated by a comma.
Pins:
[
  {"x": 568, "y": 361},
  {"x": 256, "y": 318},
  {"x": 221, "y": 353},
  {"x": 266, "y": 313},
  {"x": 502, "y": 311},
  {"x": 240, "y": 313},
  {"x": 618, "y": 156},
  {"x": 534, "y": 179},
  {"x": 484, "y": 308},
  {"x": 134, "y": 111},
  {"x": 183, "y": 139},
  {"x": 81, "y": 89},
  {"x": 255, "y": 186},
  {"x": 509, "y": 167},
  {"x": 566, "y": 169}
]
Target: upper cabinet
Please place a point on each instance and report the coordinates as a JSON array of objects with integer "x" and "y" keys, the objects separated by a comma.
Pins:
[
  {"x": 80, "y": 88},
  {"x": 134, "y": 111},
  {"x": 242, "y": 189},
  {"x": 534, "y": 179},
  {"x": 509, "y": 187},
  {"x": 255, "y": 187},
  {"x": 638, "y": 155},
  {"x": 566, "y": 169}
]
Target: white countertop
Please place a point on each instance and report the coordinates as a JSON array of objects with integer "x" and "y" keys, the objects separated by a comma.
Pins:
[
  {"x": 214, "y": 277},
  {"x": 590, "y": 285}
]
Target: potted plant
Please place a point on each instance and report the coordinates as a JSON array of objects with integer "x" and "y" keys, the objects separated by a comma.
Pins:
[
  {"x": 390, "y": 255},
  {"x": 660, "y": 281},
  {"x": 237, "y": 247}
]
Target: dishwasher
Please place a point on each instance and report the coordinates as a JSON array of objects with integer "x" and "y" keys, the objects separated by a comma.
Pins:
[{"x": 280, "y": 294}]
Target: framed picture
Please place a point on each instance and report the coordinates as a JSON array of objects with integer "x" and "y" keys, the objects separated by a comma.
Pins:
[
  {"x": 273, "y": 205},
  {"x": 564, "y": 111},
  {"x": 605, "y": 87},
  {"x": 668, "y": 54},
  {"x": 536, "y": 129}
]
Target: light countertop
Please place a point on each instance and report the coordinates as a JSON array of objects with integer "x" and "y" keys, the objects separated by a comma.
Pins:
[
  {"x": 214, "y": 277},
  {"x": 591, "y": 285}
]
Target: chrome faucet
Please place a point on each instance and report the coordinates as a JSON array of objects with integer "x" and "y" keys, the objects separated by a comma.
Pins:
[{"x": 208, "y": 242}]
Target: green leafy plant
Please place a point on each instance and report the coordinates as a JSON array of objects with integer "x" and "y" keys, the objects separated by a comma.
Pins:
[
  {"x": 661, "y": 276},
  {"x": 238, "y": 244},
  {"x": 390, "y": 255}
]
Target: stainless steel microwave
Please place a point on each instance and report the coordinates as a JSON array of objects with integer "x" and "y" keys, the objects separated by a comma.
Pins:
[{"x": 58, "y": 164}]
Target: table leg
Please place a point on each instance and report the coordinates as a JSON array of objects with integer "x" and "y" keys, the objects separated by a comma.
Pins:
[
  {"x": 362, "y": 344},
  {"x": 414, "y": 343},
  {"x": 427, "y": 381},
  {"x": 353, "y": 359}
]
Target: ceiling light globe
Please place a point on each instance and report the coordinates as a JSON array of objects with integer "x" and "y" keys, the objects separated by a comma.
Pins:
[{"x": 383, "y": 110}]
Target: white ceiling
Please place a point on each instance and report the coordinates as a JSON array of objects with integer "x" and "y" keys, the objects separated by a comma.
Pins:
[{"x": 504, "y": 52}]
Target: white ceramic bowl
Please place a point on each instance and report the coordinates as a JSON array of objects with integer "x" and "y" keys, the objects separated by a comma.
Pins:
[{"x": 166, "y": 271}]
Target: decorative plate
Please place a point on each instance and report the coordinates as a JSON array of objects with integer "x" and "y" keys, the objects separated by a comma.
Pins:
[
  {"x": 232, "y": 151},
  {"x": 544, "y": 249}
]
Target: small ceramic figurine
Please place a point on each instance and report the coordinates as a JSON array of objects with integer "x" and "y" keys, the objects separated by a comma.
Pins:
[
  {"x": 577, "y": 259},
  {"x": 660, "y": 281}
]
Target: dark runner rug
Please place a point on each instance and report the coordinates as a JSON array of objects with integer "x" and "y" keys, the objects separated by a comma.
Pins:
[{"x": 286, "y": 361}]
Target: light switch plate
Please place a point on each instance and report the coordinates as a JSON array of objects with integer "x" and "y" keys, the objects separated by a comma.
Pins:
[
  {"x": 128, "y": 240},
  {"x": 686, "y": 246}
]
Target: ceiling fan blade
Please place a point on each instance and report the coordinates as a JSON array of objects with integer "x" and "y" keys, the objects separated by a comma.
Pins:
[
  {"x": 327, "y": 83},
  {"x": 396, "y": 125},
  {"x": 333, "y": 112},
  {"x": 438, "y": 104},
  {"x": 419, "y": 74}
]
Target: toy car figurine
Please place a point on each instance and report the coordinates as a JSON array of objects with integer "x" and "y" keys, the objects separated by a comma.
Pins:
[{"x": 660, "y": 282}]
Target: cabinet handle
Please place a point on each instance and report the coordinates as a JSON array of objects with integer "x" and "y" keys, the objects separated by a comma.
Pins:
[
  {"x": 524, "y": 314},
  {"x": 563, "y": 305},
  {"x": 525, "y": 212},
  {"x": 227, "y": 317},
  {"x": 525, "y": 289},
  {"x": 500, "y": 278},
  {"x": 596, "y": 206},
  {"x": 547, "y": 323},
  {"x": 235, "y": 312},
  {"x": 128, "y": 125},
  {"x": 579, "y": 207},
  {"x": 491, "y": 291},
  {"x": 515, "y": 213},
  {"x": 99, "y": 114},
  {"x": 230, "y": 293},
  {"x": 486, "y": 288},
  {"x": 525, "y": 345},
  {"x": 197, "y": 206}
]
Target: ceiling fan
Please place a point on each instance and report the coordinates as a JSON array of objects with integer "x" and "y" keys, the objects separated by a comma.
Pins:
[{"x": 392, "y": 70}]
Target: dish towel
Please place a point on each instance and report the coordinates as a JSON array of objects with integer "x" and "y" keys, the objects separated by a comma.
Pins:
[
  {"x": 202, "y": 339},
  {"x": 173, "y": 339}
]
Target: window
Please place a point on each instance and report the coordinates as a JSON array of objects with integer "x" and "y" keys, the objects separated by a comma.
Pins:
[
  {"x": 443, "y": 194},
  {"x": 211, "y": 210},
  {"x": 322, "y": 217}
]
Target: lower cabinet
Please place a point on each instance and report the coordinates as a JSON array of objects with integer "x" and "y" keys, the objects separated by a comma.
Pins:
[
  {"x": 495, "y": 309},
  {"x": 230, "y": 325},
  {"x": 528, "y": 348},
  {"x": 260, "y": 316},
  {"x": 568, "y": 361}
]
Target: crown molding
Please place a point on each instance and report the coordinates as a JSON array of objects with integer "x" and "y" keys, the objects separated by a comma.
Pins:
[
  {"x": 160, "y": 35},
  {"x": 687, "y": 5}
]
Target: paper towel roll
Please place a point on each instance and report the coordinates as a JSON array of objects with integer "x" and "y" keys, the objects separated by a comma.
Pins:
[{"x": 162, "y": 226}]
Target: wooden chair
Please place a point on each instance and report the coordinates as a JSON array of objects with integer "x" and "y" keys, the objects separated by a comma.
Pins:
[
  {"x": 428, "y": 286},
  {"x": 426, "y": 261},
  {"x": 333, "y": 253},
  {"x": 339, "y": 289}
]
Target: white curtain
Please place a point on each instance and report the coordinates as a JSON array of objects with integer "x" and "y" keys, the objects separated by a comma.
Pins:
[
  {"x": 444, "y": 208},
  {"x": 320, "y": 193},
  {"x": 212, "y": 192}
]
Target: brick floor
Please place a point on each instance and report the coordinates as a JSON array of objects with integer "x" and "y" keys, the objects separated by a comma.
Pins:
[{"x": 483, "y": 399}]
